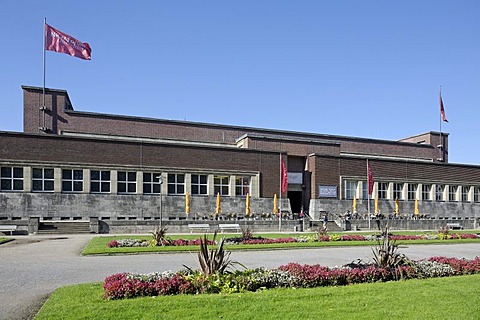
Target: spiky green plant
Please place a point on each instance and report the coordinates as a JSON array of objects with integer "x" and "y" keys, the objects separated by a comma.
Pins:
[
  {"x": 159, "y": 236},
  {"x": 386, "y": 255},
  {"x": 215, "y": 260}
]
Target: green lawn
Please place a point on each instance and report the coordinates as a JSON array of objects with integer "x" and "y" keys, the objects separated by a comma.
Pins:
[
  {"x": 98, "y": 245},
  {"x": 5, "y": 240},
  {"x": 438, "y": 298}
]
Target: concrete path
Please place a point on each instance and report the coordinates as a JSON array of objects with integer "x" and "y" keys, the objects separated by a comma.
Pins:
[{"x": 32, "y": 267}]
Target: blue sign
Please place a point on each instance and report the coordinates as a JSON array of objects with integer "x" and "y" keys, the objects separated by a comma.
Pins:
[{"x": 327, "y": 191}]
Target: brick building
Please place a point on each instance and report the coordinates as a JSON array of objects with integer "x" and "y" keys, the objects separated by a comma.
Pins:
[{"x": 74, "y": 165}]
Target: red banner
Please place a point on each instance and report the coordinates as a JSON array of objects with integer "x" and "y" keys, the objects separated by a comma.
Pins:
[
  {"x": 284, "y": 178},
  {"x": 58, "y": 41},
  {"x": 442, "y": 110},
  {"x": 370, "y": 179}
]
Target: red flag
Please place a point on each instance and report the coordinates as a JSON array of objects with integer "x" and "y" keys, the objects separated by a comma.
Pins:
[
  {"x": 370, "y": 179},
  {"x": 442, "y": 110},
  {"x": 58, "y": 41},
  {"x": 284, "y": 178}
]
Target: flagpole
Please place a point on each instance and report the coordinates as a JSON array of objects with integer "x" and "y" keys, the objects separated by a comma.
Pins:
[
  {"x": 442, "y": 150},
  {"x": 368, "y": 196},
  {"x": 44, "y": 67},
  {"x": 280, "y": 202}
]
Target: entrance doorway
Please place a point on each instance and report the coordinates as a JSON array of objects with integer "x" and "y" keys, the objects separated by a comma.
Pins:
[{"x": 295, "y": 198}]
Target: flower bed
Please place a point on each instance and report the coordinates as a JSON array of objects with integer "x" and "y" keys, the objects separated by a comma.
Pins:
[
  {"x": 127, "y": 285},
  {"x": 260, "y": 240}
]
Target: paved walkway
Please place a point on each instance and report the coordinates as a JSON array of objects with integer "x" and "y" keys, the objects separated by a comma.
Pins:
[{"x": 32, "y": 267}]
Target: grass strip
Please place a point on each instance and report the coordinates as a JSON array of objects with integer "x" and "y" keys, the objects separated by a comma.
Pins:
[
  {"x": 5, "y": 240},
  {"x": 98, "y": 245},
  {"x": 437, "y": 298}
]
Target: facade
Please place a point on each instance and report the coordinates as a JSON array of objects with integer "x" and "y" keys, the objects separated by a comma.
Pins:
[{"x": 72, "y": 165}]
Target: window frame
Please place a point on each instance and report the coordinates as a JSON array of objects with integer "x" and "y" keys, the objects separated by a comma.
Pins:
[
  {"x": 13, "y": 180},
  {"x": 152, "y": 183},
  {"x": 75, "y": 182},
  {"x": 219, "y": 185},
  {"x": 102, "y": 181},
  {"x": 241, "y": 189},
  {"x": 175, "y": 185},
  {"x": 126, "y": 182},
  {"x": 197, "y": 186},
  {"x": 42, "y": 183}
]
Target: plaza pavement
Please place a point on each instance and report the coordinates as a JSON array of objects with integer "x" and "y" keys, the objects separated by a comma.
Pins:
[{"x": 32, "y": 267}]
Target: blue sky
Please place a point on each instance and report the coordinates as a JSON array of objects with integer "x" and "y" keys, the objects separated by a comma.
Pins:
[{"x": 356, "y": 68}]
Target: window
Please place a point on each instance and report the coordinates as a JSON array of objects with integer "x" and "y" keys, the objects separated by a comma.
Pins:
[
  {"x": 476, "y": 194},
  {"x": 220, "y": 185},
  {"x": 382, "y": 190},
  {"x": 72, "y": 180},
  {"x": 11, "y": 179},
  {"x": 412, "y": 191},
  {"x": 426, "y": 192},
  {"x": 176, "y": 183},
  {"x": 151, "y": 183},
  {"x": 99, "y": 181},
  {"x": 350, "y": 189},
  {"x": 398, "y": 191},
  {"x": 126, "y": 182},
  {"x": 465, "y": 192},
  {"x": 43, "y": 179},
  {"x": 242, "y": 186},
  {"x": 452, "y": 193},
  {"x": 439, "y": 192},
  {"x": 199, "y": 184},
  {"x": 364, "y": 189}
]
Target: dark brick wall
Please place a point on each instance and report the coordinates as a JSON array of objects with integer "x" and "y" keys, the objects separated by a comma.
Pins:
[
  {"x": 83, "y": 122},
  {"x": 28, "y": 148}
]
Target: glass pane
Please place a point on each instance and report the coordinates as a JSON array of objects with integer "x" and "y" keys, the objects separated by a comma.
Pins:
[
  {"x": 224, "y": 191},
  {"x": 18, "y": 172},
  {"x": 194, "y": 178},
  {"x": 48, "y": 173},
  {"x": 203, "y": 189},
  {"x": 95, "y": 175},
  {"x": 147, "y": 188},
  {"x": 132, "y": 176},
  {"x": 225, "y": 180},
  {"x": 194, "y": 189},
  {"x": 171, "y": 178},
  {"x": 78, "y": 174},
  {"x": 203, "y": 179},
  {"x": 6, "y": 172},
  {"x": 18, "y": 185},
  {"x": 156, "y": 188},
  {"x": 106, "y": 175},
  {"x": 37, "y": 173},
  {"x": 95, "y": 187},
  {"x": 48, "y": 185},
  {"x": 66, "y": 186},
  {"x": 147, "y": 177},
  {"x": 105, "y": 186},
  {"x": 171, "y": 189},
  {"x": 37, "y": 185},
  {"x": 181, "y": 189},
  {"x": 67, "y": 174},
  {"x": 6, "y": 184},
  {"x": 78, "y": 186},
  {"x": 122, "y": 176},
  {"x": 132, "y": 187},
  {"x": 216, "y": 189},
  {"x": 122, "y": 187}
]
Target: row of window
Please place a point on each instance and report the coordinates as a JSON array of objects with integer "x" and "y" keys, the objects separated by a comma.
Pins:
[
  {"x": 411, "y": 191},
  {"x": 12, "y": 179}
]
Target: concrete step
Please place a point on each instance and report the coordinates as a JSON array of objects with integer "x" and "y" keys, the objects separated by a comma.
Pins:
[{"x": 63, "y": 227}]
